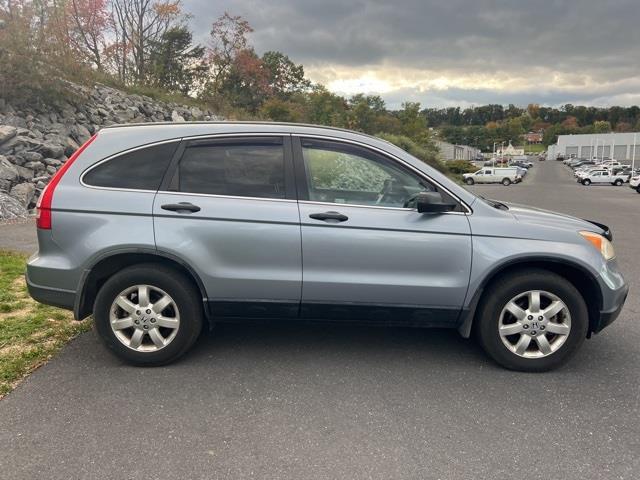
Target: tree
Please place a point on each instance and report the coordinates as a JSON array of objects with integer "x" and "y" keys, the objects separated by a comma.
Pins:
[
  {"x": 175, "y": 62},
  {"x": 90, "y": 21},
  {"x": 228, "y": 39},
  {"x": 246, "y": 84},
  {"x": 412, "y": 123},
  {"x": 285, "y": 77},
  {"x": 601, "y": 126},
  {"x": 138, "y": 25}
]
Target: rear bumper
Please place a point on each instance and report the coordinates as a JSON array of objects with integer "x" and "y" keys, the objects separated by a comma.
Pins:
[{"x": 51, "y": 296}]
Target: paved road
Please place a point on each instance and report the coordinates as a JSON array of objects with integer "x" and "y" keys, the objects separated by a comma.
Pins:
[
  {"x": 330, "y": 402},
  {"x": 19, "y": 236}
]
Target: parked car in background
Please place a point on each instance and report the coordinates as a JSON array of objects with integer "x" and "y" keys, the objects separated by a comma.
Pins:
[
  {"x": 505, "y": 176},
  {"x": 235, "y": 221},
  {"x": 602, "y": 177},
  {"x": 521, "y": 163}
]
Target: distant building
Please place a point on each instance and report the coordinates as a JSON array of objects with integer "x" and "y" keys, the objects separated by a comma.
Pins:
[
  {"x": 509, "y": 151},
  {"x": 534, "y": 137},
  {"x": 617, "y": 146},
  {"x": 449, "y": 151}
]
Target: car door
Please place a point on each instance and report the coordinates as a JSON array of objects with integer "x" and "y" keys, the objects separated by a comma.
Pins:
[
  {"x": 365, "y": 255},
  {"x": 228, "y": 209},
  {"x": 598, "y": 177}
]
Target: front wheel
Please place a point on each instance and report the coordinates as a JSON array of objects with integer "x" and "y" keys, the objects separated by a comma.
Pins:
[
  {"x": 532, "y": 321},
  {"x": 638, "y": 189},
  {"x": 586, "y": 182},
  {"x": 618, "y": 182},
  {"x": 469, "y": 181},
  {"x": 148, "y": 315},
  {"x": 506, "y": 182}
]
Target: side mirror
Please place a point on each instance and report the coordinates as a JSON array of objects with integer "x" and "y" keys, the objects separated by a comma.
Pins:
[{"x": 431, "y": 202}]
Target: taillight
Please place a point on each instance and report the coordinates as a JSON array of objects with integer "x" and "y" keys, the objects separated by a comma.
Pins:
[{"x": 43, "y": 207}]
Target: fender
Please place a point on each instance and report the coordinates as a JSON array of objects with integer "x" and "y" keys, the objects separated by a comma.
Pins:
[
  {"x": 80, "y": 307},
  {"x": 551, "y": 263}
]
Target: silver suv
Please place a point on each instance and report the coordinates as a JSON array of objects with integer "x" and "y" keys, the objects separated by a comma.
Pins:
[{"x": 158, "y": 229}]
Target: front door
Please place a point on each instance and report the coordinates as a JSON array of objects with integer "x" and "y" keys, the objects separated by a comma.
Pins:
[
  {"x": 366, "y": 254},
  {"x": 229, "y": 211}
]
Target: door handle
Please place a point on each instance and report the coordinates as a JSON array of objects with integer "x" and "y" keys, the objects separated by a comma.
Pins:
[
  {"x": 182, "y": 207},
  {"x": 337, "y": 216}
]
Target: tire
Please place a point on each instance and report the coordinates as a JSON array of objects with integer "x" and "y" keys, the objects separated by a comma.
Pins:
[
  {"x": 506, "y": 182},
  {"x": 586, "y": 182},
  {"x": 469, "y": 181},
  {"x": 492, "y": 313},
  {"x": 638, "y": 189},
  {"x": 618, "y": 182},
  {"x": 171, "y": 340}
]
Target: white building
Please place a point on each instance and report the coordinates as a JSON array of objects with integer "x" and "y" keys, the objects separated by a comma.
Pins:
[
  {"x": 618, "y": 146},
  {"x": 509, "y": 151},
  {"x": 449, "y": 151}
]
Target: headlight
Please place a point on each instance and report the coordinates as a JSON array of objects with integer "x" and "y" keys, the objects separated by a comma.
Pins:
[{"x": 604, "y": 246}]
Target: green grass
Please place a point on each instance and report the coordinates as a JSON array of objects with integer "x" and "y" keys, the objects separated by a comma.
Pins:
[
  {"x": 534, "y": 147},
  {"x": 30, "y": 333}
]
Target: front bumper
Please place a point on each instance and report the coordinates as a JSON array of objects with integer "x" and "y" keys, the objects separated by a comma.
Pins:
[{"x": 614, "y": 291}]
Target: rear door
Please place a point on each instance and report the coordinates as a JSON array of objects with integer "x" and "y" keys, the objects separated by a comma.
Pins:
[
  {"x": 228, "y": 208},
  {"x": 365, "y": 255}
]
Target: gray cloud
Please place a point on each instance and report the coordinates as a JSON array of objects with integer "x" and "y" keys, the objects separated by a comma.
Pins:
[{"x": 571, "y": 50}]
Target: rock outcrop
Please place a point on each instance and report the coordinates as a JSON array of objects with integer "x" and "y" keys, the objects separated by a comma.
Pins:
[{"x": 35, "y": 143}]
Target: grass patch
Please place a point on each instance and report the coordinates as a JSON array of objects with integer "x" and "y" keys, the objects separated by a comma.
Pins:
[
  {"x": 30, "y": 333},
  {"x": 534, "y": 147}
]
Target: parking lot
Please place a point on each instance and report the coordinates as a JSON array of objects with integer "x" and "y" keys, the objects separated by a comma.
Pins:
[{"x": 336, "y": 402}]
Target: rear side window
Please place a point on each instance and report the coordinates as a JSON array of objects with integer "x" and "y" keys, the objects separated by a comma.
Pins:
[
  {"x": 242, "y": 169},
  {"x": 140, "y": 169}
]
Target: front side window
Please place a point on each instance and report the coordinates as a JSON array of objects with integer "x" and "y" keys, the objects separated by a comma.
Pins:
[
  {"x": 243, "y": 169},
  {"x": 140, "y": 169},
  {"x": 342, "y": 173}
]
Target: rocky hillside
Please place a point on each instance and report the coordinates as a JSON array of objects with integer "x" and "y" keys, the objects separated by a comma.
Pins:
[{"x": 34, "y": 143}]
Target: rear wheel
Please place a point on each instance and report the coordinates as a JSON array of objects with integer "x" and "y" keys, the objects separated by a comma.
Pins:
[
  {"x": 469, "y": 181},
  {"x": 148, "y": 314},
  {"x": 618, "y": 182},
  {"x": 586, "y": 182},
  {"x": 506, "y": 182},
  {"x": 532, "y": 321},
  {"x": 638, "y": 189}
]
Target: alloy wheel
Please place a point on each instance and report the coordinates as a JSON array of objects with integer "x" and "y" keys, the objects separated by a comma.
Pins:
[
  {"x": 534, "y": 324},
  {"x": 144, "y": 318}
]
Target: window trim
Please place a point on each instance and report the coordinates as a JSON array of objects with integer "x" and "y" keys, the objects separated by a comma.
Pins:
[
  {"x": 124, "y": 152},
  {"x": 303, "y": 188},
  {"x": 169, "y": 184}
]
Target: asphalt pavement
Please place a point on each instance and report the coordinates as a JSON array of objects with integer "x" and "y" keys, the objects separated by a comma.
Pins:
[{"x": 334, "y": 402}]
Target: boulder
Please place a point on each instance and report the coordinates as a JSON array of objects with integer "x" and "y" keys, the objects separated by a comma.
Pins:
[
  {"x": 7, "y": 132},
  {"x": 52, "y": 150},
  {"x": 11, "y": 208},
  {"x": 8, "y": 171},
  {"x": 24, "y": 193},
  {"x": 176, "y": 117}
]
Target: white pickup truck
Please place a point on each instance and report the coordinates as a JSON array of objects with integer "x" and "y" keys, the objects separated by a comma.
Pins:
[
  {"x": 603, "y": 176},
  {"x": 505, "y": 176}
]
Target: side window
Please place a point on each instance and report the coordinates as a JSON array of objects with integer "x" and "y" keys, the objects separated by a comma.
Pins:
[
  {"x": 247, "y": 168},
  {"x": 140, "y": 169},
  {"x": 342, "y": 173},
  {"x": 487, "y": 172}
]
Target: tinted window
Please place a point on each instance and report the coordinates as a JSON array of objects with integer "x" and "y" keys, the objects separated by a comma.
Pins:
[
  {"x": 254, "y": 169},
  {"x": 340, "y": 173},
  {"x": 140, "y": 169}
]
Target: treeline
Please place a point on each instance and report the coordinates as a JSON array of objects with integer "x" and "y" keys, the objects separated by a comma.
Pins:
[{"x": 483, "y": 126}]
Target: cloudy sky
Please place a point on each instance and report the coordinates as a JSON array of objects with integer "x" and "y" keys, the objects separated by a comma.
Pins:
[{"x": 452, "y": 52}]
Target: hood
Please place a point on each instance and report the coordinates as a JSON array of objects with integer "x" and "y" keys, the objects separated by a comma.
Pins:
[{"x": 538, "y": 216}]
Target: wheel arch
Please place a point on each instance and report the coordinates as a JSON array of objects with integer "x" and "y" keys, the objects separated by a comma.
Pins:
[
  {"x": 94, "y": 276},
  {"x": 581, "y": 278}
]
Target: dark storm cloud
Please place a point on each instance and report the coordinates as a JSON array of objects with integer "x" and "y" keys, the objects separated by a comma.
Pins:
[{"x": 594, "y": 40}]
